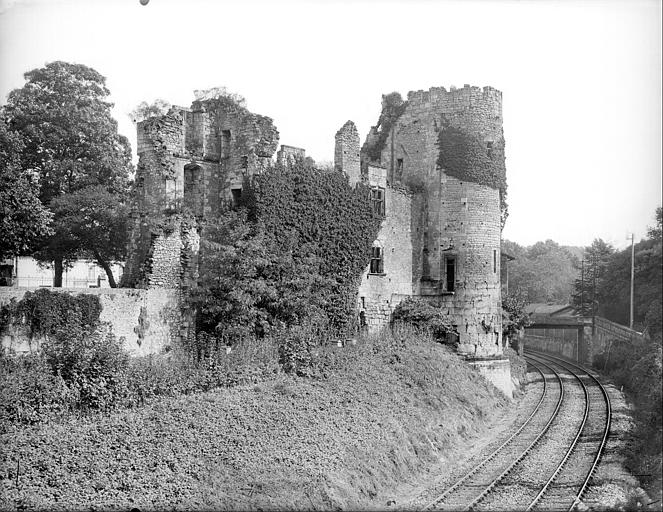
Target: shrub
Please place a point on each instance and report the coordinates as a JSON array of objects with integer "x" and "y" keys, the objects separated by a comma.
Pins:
[
  {"x": 297, "y": 348},
  {"x": 637, "y": 366},
  {"x": 29, "y": 392},
  {"x": 93, "y": 365},
  {"x": 424, "y": 316}
]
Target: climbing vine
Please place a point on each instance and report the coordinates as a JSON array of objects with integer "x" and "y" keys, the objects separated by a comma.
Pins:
[
  {"x": 315, "y": 213},
  {"x": 49, "y": 314},
  {"x": 468, "y": 158}
]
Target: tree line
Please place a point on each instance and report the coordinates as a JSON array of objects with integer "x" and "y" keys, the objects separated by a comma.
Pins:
[{"x": 596, "y": 279}]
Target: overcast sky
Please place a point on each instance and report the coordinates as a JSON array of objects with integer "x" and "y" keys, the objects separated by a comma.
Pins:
[{"x": 581, "y": 81}]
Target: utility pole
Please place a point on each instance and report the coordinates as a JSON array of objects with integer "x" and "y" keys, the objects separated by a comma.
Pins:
[
  {"x": 594, "y": 270},
  {"x": 630, "y": 322},
  {"x": 582, "y": 286}
]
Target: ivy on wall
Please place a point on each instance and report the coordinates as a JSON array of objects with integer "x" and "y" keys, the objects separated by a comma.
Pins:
[
  {"x": 47, "y": 313},
  {"x": 468, "y": 158},
  {"x": 320, "y": 215}
]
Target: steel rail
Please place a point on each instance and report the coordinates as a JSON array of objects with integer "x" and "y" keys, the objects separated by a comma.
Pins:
[
  {"x": 527, "y": 450},
  {"x": 606, "y": 429},
  {"x": 490, "y": 457},
  {"x": 572, "y": 445}
]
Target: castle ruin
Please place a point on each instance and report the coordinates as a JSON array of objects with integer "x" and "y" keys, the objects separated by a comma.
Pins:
[{"x": 434, "y": 163}]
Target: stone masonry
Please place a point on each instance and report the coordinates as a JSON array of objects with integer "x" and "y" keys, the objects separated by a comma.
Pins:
[
  {"x": 192, "y": 163},
  {"x": 440, "y": 238},
  {"x": 455, "y": 227}
]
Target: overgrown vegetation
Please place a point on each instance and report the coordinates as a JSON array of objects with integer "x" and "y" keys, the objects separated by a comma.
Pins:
[
  {"x": 292, "y": 255},
  {"x": 637, "y": 366},
  {"x": 366, "y": 422},
  {"x": 514, "y": 318},
  {"x": 467, "y": 158},
  {"x": 393, "y": 107},
  {"x": 424, "y": 316}
]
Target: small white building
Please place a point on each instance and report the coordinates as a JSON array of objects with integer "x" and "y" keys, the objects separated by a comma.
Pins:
[{"x": 24, "y": 271}]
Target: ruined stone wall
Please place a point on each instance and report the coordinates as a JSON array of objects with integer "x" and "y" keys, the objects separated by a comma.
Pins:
[
  {"x": 346, "y": 152},
  {"x": 451, "y": 217},
  {"x": 146, "y": 321},
  {"x": 288, "y": 155},
  {"x": 192, "y": 164},
  {"x": 379, "y": 294}
]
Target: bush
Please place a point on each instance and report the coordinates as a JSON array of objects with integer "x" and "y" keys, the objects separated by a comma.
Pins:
[
  {"x": 637, "y": 366},
  {"x": 29, "y": 392},
  {"x": 93, "y": 365},
  {"x": 426, "y": 317}
]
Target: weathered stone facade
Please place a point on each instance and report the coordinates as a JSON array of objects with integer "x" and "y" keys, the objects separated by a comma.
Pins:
[
  {"x": 288, "y": 155},
  {"x": 440, "y": 238},
  {"x": 453, "y": 225},
  {"x": 192, "y": 163}
]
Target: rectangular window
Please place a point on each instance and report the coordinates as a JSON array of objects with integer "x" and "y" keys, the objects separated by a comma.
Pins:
[
  {"x": 450, "y": 273},
  {"x": 237, "y": 195},
  {"x": 494, "y": 261},
  {"x": 377, "y": 261},
  {"x": 377, "y": 198},
  {"x": 225, "y": 143},
  {"x": 245, "y": 162}
]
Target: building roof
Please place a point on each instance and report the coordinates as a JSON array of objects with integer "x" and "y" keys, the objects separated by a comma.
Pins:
[{"x": 550, "y": 309}]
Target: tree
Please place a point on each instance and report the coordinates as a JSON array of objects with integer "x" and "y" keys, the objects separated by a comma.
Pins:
[
  {"x": 146, "y": 110},
  {"x": 543, "y": 272},
  {"x": 93, "y": 222},
  {"x": 70, "y": 138},
  {"x": 586, "y": 294},
  {"x": 24, "y": 220},
  {"x": 250, "y": 285},
  {"x": 514, "y": 317}
]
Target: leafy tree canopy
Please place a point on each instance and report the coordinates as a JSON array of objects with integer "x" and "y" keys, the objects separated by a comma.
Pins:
[
  {"x": 543, "y": 272},
  {"x": 89, "y": 222},
  {"x": 70, "y": 140},
  {"x": 70, "y": 137},
  {"x": 23, "y": 219}
]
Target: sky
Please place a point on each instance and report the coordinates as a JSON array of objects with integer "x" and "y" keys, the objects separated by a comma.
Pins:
[{"x": 581, "y": 81}]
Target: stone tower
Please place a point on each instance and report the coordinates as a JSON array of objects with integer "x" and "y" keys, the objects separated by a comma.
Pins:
[
  {"x": 346, "y": 152},
  {"x": 448, "y": 148},
  {"x": 192, "y": 163}
]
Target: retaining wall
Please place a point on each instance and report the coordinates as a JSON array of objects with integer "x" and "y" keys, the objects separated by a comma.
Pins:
[{"x": 147, "y": 321}]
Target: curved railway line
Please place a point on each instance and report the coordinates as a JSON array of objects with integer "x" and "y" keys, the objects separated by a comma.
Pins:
[{"x": 549, "y": 460}]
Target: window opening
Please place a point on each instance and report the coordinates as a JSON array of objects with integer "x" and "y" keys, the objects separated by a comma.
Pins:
[
  {"x": 494, "y": 261},
  {"x": 489, "y": 146},
  {"x": 377, "y": 261},
  {"x": 225, "y": 143},
  {"x": 237, "y": 195},
  {"x": 377, "y": 199},
  {"x": 245, "y": 162},
  {"x": 450, "y": 274}
]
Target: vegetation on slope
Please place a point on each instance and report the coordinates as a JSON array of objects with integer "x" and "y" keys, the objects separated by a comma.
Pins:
[{"x": 375, "y": 415}]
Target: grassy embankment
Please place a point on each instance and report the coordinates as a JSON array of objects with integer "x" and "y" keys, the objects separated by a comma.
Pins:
[{"x": 377, "y": 415}]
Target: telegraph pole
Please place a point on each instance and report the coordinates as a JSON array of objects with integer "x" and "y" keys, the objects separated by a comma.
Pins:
[
  {"x": 582, "y": 286},
  {"x": 594, "y": 269},
  {"x": 630, "y": 322}
]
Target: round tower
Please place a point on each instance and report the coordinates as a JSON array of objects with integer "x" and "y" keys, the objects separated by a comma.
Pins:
[{"x": 448, "y": 147}]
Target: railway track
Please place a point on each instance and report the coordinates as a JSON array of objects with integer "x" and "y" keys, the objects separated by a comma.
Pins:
[{"x": 547, "y": 463}]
